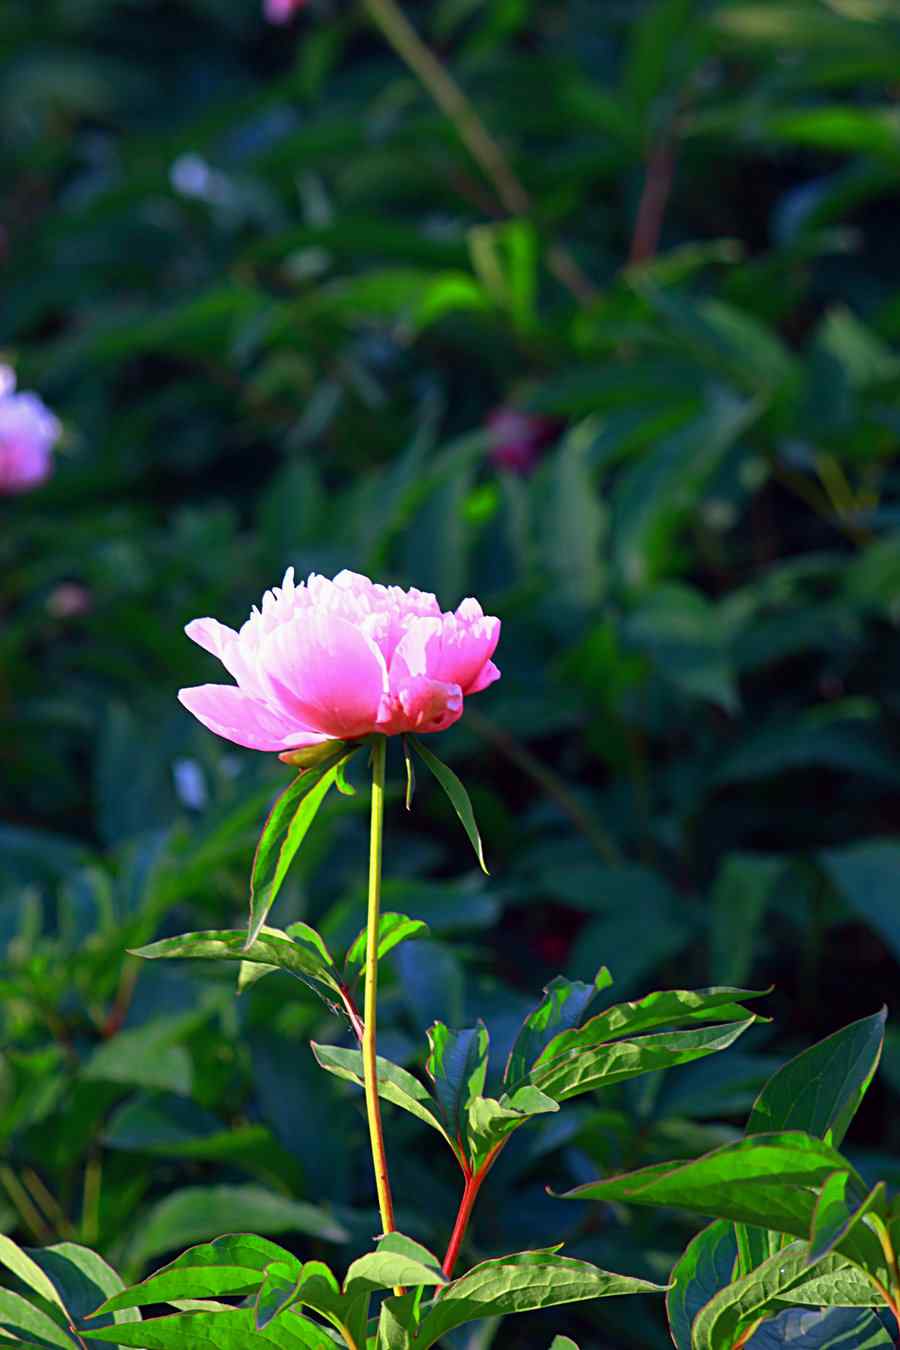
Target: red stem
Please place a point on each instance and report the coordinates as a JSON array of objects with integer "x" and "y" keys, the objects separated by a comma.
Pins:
[
  {"x": 654, "y": 199},
  {"x": 474, "y": 1182},
  {"x": 352, "y": 1012}
]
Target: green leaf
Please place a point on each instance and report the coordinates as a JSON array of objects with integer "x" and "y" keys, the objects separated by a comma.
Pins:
[
  {"x": 737, "y": 1308},
  {"x": 204, "y": 1271},
  {"x": 825, "y": 1329},
  {"x": 28, "y": 1324},
  {"x": 277, "y": 1291},
  {"x": 300, "y": 955},
  {"x": 28, "y": 1271},
  {"x": 397, "y": 1261},
  {"x": 459, "y": 798},
  {"x": 81, "y": 1279},
  {"x": 838, "y": 1210},
  {"x": 392, "y": 930},
  {"x": 231, "y": 1330},
  {"x": 835, "y": 1282},
  {"x": 489, "y": 1121},
  {"x": 319, "y": 1290},
  {"x": 457, "y": 1063},
  {"x": 765, "y": 1179},
  {"x": 563, "y": 1005},
  {"x": 394, "y": 1084},
  {"x": 520, "y": 1283},
  {"x": 820, "y": 1090},
  {"x": 562, "y": 1343},
  {"x": 668, "y": 1008},
  {"x": 198, "y": 1212},
  {"x": 578, "y": 1071},
  {"x": 705, "y": 1268},
  {"x": 283, "y": 833}
]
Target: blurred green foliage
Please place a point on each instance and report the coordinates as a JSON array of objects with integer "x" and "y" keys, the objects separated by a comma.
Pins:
[{"x": 274, "y": 300}]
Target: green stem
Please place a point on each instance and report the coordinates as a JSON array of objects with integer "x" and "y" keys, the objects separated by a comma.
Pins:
[
  {"x": 471, "y": 130},
  {"x": 370, "y": 1071}
]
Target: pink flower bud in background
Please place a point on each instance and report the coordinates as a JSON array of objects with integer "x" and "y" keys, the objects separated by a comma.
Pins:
[
  {"x": 69, "y": 600},
  {"x": 517, "y": 438},
  {"x": 28, "y": 432},
  {"x": 282, "y": 11},
  {"x": 336, "y": 660}
]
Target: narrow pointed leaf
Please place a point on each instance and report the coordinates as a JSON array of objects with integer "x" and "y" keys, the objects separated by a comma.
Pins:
[
  {"x": 563, "y": 1005},
  {"x": 839, "y": 1208},
  {"x": 820, "y": 1091},
  {"x": 705, "y": 1268},
  {"x": 28, "y": 1271},
  {"x": 602, "y": 1065},
  {"x": 392, "y": 930},
  {"x": 459, "y": 798},
  {"x": 250, "y": 971},
  {"x": 283, "y": 833},
  {"x": 299, "y": 956},
  {"x": 520, "y": 1283},
  {"x": 204, "y": 1270},
  {"x": 768, "y": 1179},
  {"x": 669, "y": 1008},
  {"x": 231, "y": 1330},
  {"x": 21, "y": 1320},
  {"x": 394, "y": 1084}
]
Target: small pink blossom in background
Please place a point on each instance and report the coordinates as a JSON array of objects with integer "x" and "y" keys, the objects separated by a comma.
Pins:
[
  {"x": 69, "y": 600},
  {"x": 281, "y": 11},
  {"x": 28, "y": 432},
  {"x": 517, "y": 438},
  {"x": 335, "y": 660}
]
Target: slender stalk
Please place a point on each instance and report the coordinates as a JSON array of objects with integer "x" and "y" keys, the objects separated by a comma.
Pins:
[
  {"x": 370, "y": 1071},
  {"x": 471, "y": 130}
]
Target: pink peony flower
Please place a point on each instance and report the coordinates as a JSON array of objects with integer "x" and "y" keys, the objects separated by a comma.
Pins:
[
  {"x": 281, "y": 11},
  {"x": 517, "y": 438},
  {"x": 28, "y": 432},
  {"x": 335, "y": 660}
]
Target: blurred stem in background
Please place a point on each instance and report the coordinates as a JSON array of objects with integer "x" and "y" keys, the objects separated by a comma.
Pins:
[
  {"x": 421, "y": 60},
  {"x": 369, "y": 1048}
]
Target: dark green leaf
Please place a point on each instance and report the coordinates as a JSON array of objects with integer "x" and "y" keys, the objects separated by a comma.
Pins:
[
  {"x": 457, "y": 1063},
  {"x": 705, "y": 1268},
  {"x": 563, "y": 1005},
  {"x": 283, "y": 833}
]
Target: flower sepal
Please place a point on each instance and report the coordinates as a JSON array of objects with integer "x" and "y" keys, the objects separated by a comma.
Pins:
[{"x": 314, "y": 756}]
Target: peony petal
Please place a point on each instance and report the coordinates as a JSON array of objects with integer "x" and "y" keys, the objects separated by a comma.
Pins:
[
  {"x": 231, "y": 713},
  {"x": 211, "y": 635},
  {"x": 324, "y": 673},
  {"x": 421, "y": 704},
  {"x": 450, "y": 649},
  {"x": 489, "y": 673}
]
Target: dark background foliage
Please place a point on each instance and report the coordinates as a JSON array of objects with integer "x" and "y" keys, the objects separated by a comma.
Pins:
[{"x": 276, "y": 303}]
